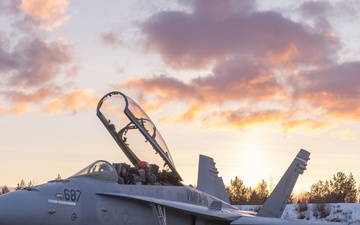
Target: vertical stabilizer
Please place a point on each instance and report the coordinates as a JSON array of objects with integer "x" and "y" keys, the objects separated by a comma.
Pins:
[
  {"x": 274, "y": 206},
  {"x": 208, "y": 179}
]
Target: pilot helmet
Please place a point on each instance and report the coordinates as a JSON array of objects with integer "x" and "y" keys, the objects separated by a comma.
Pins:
[{"x": 142, "y": 165}]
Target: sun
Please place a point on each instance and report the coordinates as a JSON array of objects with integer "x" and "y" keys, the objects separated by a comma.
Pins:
[{"x": 249, "y": 159}]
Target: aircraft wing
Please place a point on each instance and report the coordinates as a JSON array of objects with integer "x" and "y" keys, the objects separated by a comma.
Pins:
[
  {"x": 237, "y": 218},
  {"x": 209, "y": 212},
  {"x": 255, "y": 220}
]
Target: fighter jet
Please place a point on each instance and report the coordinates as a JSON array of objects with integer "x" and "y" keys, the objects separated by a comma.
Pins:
[{"x": 145, "y": 190}]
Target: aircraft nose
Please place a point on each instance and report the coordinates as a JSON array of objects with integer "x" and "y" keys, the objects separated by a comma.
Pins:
[{"x": 21, "y": 207}]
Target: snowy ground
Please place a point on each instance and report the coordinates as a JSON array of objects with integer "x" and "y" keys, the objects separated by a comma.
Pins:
[{"x": 339, "y": 212}]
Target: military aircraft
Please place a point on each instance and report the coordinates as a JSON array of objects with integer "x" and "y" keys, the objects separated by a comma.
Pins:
[{"x": 146, "y": 191}]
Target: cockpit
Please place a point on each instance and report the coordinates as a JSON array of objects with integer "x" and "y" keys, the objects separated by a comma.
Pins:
[
  {"x": 100, "y": 169},
  {"x": 140, "y": 141},
  {"x": 123, "y": 173}
]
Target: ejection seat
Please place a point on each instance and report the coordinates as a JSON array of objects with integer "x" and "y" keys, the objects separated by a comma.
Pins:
[{"x": 122, "y": 170}]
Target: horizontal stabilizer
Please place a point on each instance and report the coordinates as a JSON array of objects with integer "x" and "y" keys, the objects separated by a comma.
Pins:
[{"x": 208, "y": 179}]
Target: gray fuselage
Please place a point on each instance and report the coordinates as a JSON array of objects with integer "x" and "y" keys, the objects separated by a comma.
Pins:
[{"x": 88, "y": 201}]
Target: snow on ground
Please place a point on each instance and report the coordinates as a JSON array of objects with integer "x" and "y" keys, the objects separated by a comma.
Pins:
[{"x": 339, "y": 212}]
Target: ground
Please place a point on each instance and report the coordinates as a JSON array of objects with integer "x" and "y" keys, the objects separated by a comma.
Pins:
[{"x": 339, "y": 212}]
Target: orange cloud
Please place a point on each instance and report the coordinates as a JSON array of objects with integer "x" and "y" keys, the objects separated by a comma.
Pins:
[
  {"x": 333, "y": 89},
  {"x": 284, "y": 71},
  {"x": 307, "y": 123},
  {"x": 331, "y": 38},
  {"x": 48, "y": 14},
  {"x": 72, "y": 101},
  {"x": 33, "y": 69},
  {"x": 242, "y": 118},
  {"x": 21, "y": 100},
  {"x": 13, "y": 110},
  {"x": 230, "y": 81},
  {"x": 192, "y": 112},
  {"x": 215, "y": 99},
  {"x": 27, "y": 97},
  {"x": 165, "y": 88},
  {"x": 283, "y": 57}
]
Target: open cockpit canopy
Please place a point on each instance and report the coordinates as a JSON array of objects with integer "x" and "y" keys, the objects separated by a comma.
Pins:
[{"x": 134, "y": 132}]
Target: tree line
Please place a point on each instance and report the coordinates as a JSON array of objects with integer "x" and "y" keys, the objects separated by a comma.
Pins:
[
  {"x": 339, "y": 189},
  {"x": 239, "y": 194},
  {"x": 5, "y": 189}
]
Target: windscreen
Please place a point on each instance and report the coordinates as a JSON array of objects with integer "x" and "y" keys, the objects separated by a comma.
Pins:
[{"x": 100, "y": 169}]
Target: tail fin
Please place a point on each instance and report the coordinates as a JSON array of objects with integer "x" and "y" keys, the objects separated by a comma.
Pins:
[
  {"x": 274, "y": 206},
  {"x": 208, "y": 179}
]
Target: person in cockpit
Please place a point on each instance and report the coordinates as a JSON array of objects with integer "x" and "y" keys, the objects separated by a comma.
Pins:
[{"x": 146, "y": 167}]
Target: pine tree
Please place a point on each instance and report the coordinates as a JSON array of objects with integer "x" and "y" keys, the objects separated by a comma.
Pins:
[
  {"x": 262, "y": 191},
  {"x": 237, "y": 192},
  {"x": 58, "y": 177},
  {"x": 254, "y": 198},
  {"x": 319, "y": 192},
  {"x": 351, "y": 191},
  {"x": 20, "y": 185},
  {"x": 259, "y": 194},
  {"x": 4, "y": 190},
  {"x": 343, "y": 188},
  {"x": 30, "y": 184},
  {"x": 291, "y": 199}
]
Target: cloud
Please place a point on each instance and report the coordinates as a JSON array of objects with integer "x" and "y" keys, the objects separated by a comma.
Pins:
[
  {"x": 13, "y": 110},
  {"x": 241, "y": 118},
  {"x": 232, "y": 81},
  {"x": 313, "y": 124},
  {"x": 49, "y": 100},
  {"x": 262, "y": 66},
  {"x": 335, "y": 89},
  {"x": 33, "y": 69},
  {"x": 22, "y": 97},
  {"x": 165, "y": 88},
  {"x": 20, "y": 100},
  {"x": 325, "y": 10},
  {"x": 34, "y": 62},
  {"x": 214, "y": 31},
  {"x": 73, "y": 101},
  {"x": 111, "y": 39},
  {"x": 253, "y": 87},
  {"x": 42, "y": 14}
]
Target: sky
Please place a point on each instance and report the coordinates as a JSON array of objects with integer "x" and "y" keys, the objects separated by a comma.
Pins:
[{"x": 248, "y": 83}]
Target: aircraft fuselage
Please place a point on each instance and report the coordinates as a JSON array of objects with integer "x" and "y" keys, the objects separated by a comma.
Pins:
[{"x": 86, "y": 201}]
